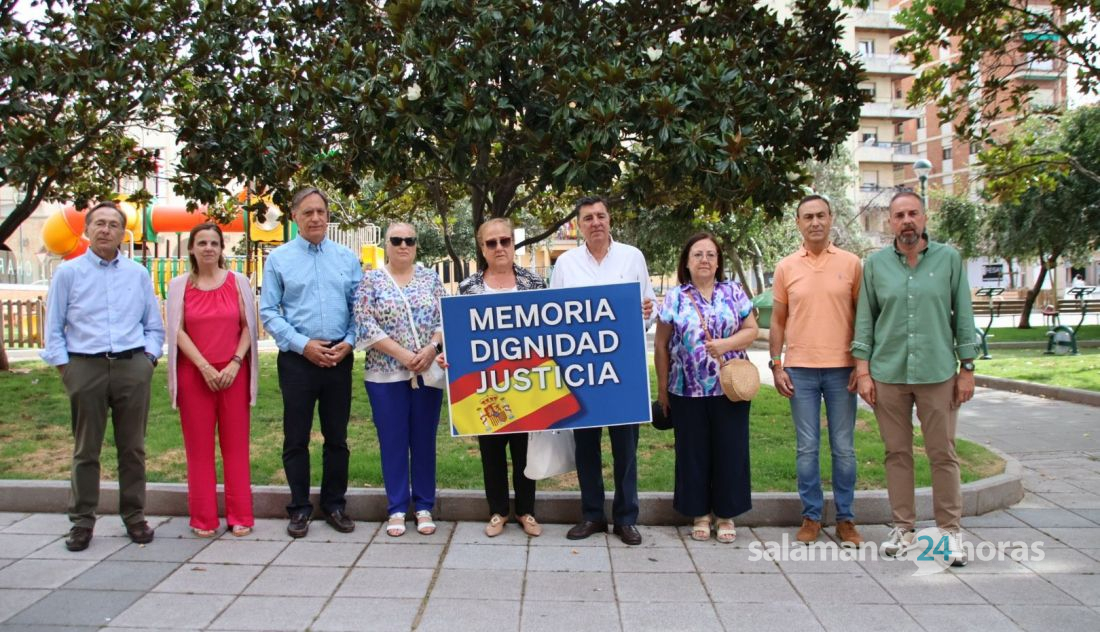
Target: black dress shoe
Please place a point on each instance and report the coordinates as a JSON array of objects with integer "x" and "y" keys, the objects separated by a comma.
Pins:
[
  {"x": 78, "y": 538},
  {"x": 140, "y": 532},
  {"x": 299, "y": 525},
  {"x": 339, "y": 520},
  {"x": 586, "y": 528},
  {"x": 628, "y": 533}
]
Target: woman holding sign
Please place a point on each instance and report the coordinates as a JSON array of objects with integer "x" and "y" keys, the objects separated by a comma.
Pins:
[
  {"x": 398, "y": 323},
  {"x": 496, "y": 239},
  {"x": 703, "y": 322}
]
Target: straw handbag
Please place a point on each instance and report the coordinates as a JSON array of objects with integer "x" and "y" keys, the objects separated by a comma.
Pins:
[{"x": 739, "y": 378}]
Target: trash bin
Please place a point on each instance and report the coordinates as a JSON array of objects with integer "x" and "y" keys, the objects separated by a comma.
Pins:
[{"x": 763, "y": 304}]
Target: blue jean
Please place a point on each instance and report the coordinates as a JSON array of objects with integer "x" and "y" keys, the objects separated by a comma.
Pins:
[
  {"x": 406, "y": 421},
  {"x": 811, "y": 386}
]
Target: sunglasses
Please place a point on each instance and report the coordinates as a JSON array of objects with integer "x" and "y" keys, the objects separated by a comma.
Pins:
[
  {"x": 408, "y": 241},
  {"x": 504, "y": 242}
]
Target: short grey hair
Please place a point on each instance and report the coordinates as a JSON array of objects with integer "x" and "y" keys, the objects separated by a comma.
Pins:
[
  {"x": 106, "y": 204},
  {"x": 305, "y": 192}
]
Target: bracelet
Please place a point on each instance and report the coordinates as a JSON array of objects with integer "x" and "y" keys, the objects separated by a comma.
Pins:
[{"x": 238, "y": 359}]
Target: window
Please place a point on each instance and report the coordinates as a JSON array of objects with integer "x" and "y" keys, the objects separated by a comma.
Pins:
[
  {"x": 947, "y": 153},
  {"x": 899, "y": 128},
  {"x": 869, "y": 136},
  {"x": 897, "y": 93},
  {"x": 867, "y": 90},
  {"x": 869, "y": 180},
  {"x": 920, "y": 122},
  {"x": 975, "y": 147},
  {"x": 866, "y": 47}
]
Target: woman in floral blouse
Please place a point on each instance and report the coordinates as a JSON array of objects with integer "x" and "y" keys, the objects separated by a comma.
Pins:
[
  {"x": 703, "y": 322},
  {"x": 405, "y": 410}
]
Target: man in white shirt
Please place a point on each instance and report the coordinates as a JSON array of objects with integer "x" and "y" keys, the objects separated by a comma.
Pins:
[{"x": 603, "y": 261}]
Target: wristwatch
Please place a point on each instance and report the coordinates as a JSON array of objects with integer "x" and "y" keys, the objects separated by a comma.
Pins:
[
  {"x": 775, "y": 363},
  {"x": 966, "y": 365},
  {"x": 439, "y": 347},
  {"x": 152, "y": 358}
]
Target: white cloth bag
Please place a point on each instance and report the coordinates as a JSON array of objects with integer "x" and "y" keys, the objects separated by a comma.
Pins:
[{"x": 549, "y": 453}]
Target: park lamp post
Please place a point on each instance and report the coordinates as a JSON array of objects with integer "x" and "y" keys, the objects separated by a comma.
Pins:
[{"x": 922, "y": 168}]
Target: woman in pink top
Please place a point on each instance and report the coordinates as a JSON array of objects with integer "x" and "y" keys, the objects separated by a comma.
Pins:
[{"x": 211, "y": 341}]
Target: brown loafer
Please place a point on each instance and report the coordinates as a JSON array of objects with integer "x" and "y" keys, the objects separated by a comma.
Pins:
[
  {"x": 585, "y": 529},
  {"x": 78, "y": 539},
  {"x": 495, "y": 526},
  {"x": 809, "y": 531},
  {"x": 298, "y": 526},
  {"x": 340, "y": 521},
  {"x": 629, "y": 534},
  {"x": 140, "y": 532},
  {"x": 530, "y": 526}
]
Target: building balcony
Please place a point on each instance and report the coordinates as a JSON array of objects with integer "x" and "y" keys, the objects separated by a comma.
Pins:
[
  {"x": 895, "y": 110},
  {"x": 875, "y": 196},
  {"x": 892, "y": 65},
  {"x": 1038, "y": 71},
  {"x": 878, "y": 20},
  {"x": 885, "y": 152}
]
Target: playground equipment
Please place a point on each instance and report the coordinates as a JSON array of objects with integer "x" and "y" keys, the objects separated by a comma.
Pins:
[
  {"x": 994, "y": 312},
  {"x": 1061, "y": 340}
]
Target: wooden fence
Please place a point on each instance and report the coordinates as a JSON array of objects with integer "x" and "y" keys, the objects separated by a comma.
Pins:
[{"x": 23, "y": 322}]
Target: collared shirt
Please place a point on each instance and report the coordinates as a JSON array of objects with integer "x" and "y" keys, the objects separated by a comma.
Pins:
[
  {"x": 525, "y": 280},
  {"x": 913, "y": 323},
  {"x": 622, "y": 264},
  {"x": 308, "y": 293},
  {"x": 381, "y": 312},
  {"x": 820, "y": 293},
  {"x": 693, "y": 373},
  {"x": 96, "y": 306}
]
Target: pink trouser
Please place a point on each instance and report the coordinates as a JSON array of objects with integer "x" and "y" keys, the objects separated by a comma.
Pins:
[{"x": 201, "y": 412}]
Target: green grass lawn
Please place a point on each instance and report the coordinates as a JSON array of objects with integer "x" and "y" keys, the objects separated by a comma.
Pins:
[
  {"x": 1030, "y": 365},
  {"x": 35, "y": 441},
  {"x": 1038, "y": 332}
]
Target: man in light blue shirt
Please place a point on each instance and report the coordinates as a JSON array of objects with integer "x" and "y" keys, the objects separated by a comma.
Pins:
[
  {"x": 104, "y": 335},
  {"x": 307, "y": 306}
]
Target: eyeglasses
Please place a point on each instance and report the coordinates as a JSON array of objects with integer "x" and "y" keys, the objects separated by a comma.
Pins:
[
  {"x": 699, "y": 256},
  {"x": 504, "y": 242},
  {"x": 106, "y": 224},
  {"x": 408, "y": 241}
]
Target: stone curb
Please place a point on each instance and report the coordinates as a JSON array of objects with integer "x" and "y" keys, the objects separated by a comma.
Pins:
[
  {"x": 1059, "y": 393},
  {"x": 1038, "y": 344},
  {"x": 769, "y": 508}
]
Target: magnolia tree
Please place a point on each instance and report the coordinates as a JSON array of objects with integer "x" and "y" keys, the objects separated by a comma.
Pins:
[{"x": 513, "y": 104}]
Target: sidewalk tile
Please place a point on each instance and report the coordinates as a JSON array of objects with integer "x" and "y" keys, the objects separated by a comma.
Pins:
[
  {"x": 854, "y": 588},
  {"x": 1064, "y": 561},
  {"x": 499, "y": 557},
  {"x": 652, "y": 537},
  {"x": 99, "y": 548},
  {"x": 367, "y": 614},
  {"x": 442, "y": 533},
  {"x": 651, "y": 560},
  {"x": 55, "y": 524},
  {"x": 383, "y": 554},
  {"x": 244, "y": 552},
  {"x": 263, "y": 529},
  {"x": 5, "y": 562},
  {"x": 17, "y": 545},
  {"x": 460, "y": 583},
  {"x": 319, "y": 554},
  {"x": 825, "y": 560},
  {"x": 728, "y": 588},
  {"x": 1074, "y": 500},
  {"x": 546, "y": 616},
  {"x": 654, "y": 587},
  {"x": 768, "y": 617},
  {"x": 269, "y": 613},
  {"x": 582, "y": 586},
  {"x": 1040, "y": 518},
  {"x": 12, "y": 600},
  {"x": 305, "y": 581},
  {"x": 1034, "y": 501},
  {"x": 1077, "y": 538},
  {"x": 123, "y": 576},
  {"x": 941, "y": 588},
  {"x": 386, "y": 582},
  {"x": 992, "y": 519},
  {"x": 41, "y": 573},
  {"x": 169, "y": 610},
  {"x": 961, "y": 618},
  {"x": 1044, "y": 618},
  {"x": 562, "y": 559},
  {"x": 77, "y": 607},
  {"x": 161, "y": 550},
  {"x": 554, "y": 535},
  {"x": 448, "y": 615},
  {"x": 214, "y": 579},
  {"x": 474, "y": 533},
  {"x": 320, "y": 531},
  {"x": 1017, "y": 589},
  {"x": 8, "y": 518},
  {"x": 1092, "y": 515},
  {"x": 179, "y": 528},
  {"x": 843, "y": 617},
  {"x": 1086, "y": 588},
  {"x": 1017, "y": 534},
  {"x": 661, "y": 617},
  {"x": 731, "y": 560},
  {"x": 112, "y": 526}
]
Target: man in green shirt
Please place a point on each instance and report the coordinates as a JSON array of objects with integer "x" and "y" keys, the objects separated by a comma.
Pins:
[{"x": 914, "y": 344}]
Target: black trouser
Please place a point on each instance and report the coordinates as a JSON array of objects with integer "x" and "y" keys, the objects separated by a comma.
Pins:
[
  {"x": 624, "y": 451},
  {"x": 494, "y": 464},
  {"x": 712, "y": 456},
  {"x": 304, "y": 384}
]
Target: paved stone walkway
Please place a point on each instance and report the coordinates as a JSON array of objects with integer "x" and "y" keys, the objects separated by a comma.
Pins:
[{"x": 458, "y": 580}]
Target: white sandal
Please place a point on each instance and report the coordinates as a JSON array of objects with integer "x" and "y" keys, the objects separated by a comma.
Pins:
[
  {"x": 424, "y": 524},
  {"x": 395, "y": 526}
]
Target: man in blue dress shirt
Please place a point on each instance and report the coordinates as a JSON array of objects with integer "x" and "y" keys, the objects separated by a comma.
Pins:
[
  {"x": 306, "y": 306},
  {"x": 104, "y": 335}
]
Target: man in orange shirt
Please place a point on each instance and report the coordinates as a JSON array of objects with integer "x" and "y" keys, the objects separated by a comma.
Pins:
[{"x": 815, "y": 293}]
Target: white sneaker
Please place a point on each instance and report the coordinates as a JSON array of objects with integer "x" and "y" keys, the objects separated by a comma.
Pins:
[
  {"x": 956, "y": 555},
  {"x": 899, "y": 542}
]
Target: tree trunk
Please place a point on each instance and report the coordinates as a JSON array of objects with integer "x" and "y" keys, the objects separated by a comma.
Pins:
[
  {"x": 1011, "y": 273},
  {"x": 739, "y": 270},
  {"x": 757, "y": 265},
  {"x": 1032, "y": 295},
  {"x": 4, "y": 366}
]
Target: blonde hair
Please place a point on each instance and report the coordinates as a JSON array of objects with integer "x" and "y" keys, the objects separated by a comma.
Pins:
[{"x": 496, "y": 220}]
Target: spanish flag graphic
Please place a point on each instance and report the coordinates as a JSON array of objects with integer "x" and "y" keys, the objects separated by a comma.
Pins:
[{"x": 512, "y": 410}]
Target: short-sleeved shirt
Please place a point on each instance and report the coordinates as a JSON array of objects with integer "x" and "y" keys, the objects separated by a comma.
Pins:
[
  {"x": 821, "y": 293},
  {"x": 693, "y": 373},
  {"x": 380, "y": 313}
]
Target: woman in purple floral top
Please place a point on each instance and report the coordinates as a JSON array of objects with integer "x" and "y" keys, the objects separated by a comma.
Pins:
[
  {"x": 712, "y": 433},
  {"x": 405, "y": 410}
]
